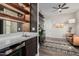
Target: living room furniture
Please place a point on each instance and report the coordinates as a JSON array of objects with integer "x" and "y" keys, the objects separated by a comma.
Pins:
[{"x": 73, "y": 39}]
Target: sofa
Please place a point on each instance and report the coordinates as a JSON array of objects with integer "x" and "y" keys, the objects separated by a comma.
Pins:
[{"x": 73, "y": 39}]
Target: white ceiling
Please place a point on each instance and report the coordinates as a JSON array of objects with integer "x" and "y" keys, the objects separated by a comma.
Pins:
[{"x": 47, "y": 10}]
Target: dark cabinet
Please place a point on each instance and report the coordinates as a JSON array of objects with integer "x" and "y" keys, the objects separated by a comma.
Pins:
[
  {"x": 31, "y": 47},
  {"x": 33, "y": 17},
  {"x": 29, "y": 50}
]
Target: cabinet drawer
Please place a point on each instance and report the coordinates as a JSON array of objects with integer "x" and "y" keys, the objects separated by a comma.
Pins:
[{"x": 31, "y": 47}]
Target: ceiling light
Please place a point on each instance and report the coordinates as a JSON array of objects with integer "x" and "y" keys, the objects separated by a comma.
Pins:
[{"x": 59, "y": 10}]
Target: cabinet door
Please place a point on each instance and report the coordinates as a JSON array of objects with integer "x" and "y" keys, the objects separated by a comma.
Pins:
[
  {"x": 34, "y": 49},
  {"x": 31, "y": 47},
  {"x": 29, "y": 50},
  {"x": 34, "y": 45}
]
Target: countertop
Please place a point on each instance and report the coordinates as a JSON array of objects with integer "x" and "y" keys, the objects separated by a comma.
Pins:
[{"x": 14, "y": 38}]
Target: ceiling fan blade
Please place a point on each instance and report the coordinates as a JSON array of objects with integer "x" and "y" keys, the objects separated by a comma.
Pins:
[
  {"x": 59, "y": 6},
  {"x": 55, "y": 7},
  {"x": 63, "y": 4},
  {"x": 65, "y": 8}
]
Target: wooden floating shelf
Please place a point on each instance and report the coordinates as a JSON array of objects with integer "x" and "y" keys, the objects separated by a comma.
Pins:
[
  {"x": 17, "y": 6},
  {"x": 13, "y": 17},
  {"x": 27, "y": 4}
]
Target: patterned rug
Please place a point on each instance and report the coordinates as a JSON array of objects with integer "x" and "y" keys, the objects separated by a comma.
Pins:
[{"x": 61, "y": 46}]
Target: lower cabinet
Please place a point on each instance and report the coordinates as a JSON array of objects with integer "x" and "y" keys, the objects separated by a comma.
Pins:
[{"x": 31, "y": 47}]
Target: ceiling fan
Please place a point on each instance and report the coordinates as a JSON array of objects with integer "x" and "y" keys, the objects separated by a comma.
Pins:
[{"x": 61, "y": 6}]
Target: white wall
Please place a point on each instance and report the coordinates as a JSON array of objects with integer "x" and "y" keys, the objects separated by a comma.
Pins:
[
  {"x": 52, "y": 31},
  {"x": 77, "y": 24}
]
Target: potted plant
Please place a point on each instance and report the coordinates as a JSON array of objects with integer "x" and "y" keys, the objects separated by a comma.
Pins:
[{"x": 41, "y": 33}]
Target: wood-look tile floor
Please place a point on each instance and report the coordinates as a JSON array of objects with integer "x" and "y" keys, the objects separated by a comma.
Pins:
[
  {"x": 46, "y": 52},
  {"x": 58, "y": 47}
]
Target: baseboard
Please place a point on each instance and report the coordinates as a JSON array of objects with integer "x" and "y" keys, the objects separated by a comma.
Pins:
[{"x": 54, "y": 38}]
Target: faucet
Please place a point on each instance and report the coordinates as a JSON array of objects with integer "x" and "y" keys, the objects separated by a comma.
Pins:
[{"x": 24, "y": 34}]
